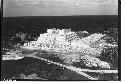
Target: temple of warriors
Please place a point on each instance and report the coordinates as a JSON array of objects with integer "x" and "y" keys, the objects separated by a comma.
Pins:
[{"x": 68, "y": 41}]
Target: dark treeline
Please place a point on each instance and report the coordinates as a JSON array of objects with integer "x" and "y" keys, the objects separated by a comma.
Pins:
[{"x": 39, "y": 24}]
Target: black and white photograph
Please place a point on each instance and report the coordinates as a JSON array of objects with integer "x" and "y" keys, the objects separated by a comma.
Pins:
[{"x": 60, "y": 40}]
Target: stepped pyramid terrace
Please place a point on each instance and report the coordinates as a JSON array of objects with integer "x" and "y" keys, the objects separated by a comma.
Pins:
[{"x": 66, "y": 40}]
